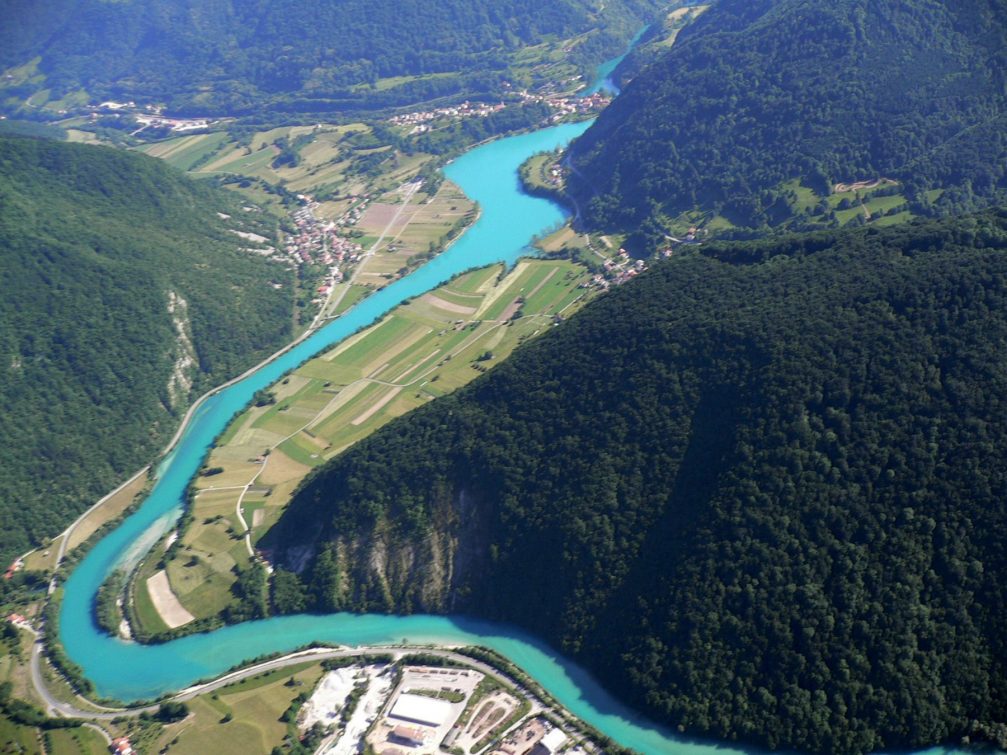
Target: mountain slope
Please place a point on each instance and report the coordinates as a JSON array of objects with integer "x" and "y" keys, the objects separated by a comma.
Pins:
[
  {"x": 758, "y": 491},
  {"x": 756, "y": 94},
  {"x": 124, "y": 294},
  {"x": 227, "y": 56}
]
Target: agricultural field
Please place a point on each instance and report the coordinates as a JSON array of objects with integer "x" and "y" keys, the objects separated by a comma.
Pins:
[
  {"x": 424, "y": 349},
  {"x": 20, "y": 739},
  {"x": 14, "y": 657},
  {"x": 548, "y": 62},
  {"x": 874, "y": 202},
  {"x": 185, "y": 152},
  {"x": 368, "y": 188},
  {"x": 202, "y": 574},
  {"x": 304, "y": 159},
  {"x": 409, "y": 227},
  {"x": 243, "y": 717},
  {"x": 677, "y": 20},
  {"x": 79, "y": 741}
]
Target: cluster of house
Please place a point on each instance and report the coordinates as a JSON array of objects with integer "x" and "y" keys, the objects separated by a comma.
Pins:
[
  {"x": 555, "y": 175},
  {"x": 121, "y": 746},
  {"x": 319, "y": 243},
  {"x": 19, "y": 621},
  {"x": 617, "y": 271},
  {"x": 692, "y": 237},
  {"x": 16, "y": 565},
  {"x": 621, "y": 268},
  {"x": 535, "y": 737},
  {"x": 563, "y": 105},
  {"x": 420, "y": 120}
]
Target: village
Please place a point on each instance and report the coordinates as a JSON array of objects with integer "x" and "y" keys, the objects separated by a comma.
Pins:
[
  {"x": 569, "y": 105},
  {"x": 562, "y": 106},
  {"x": 420, "y": 121},
  {"x": 324, "y": 243},
  {"x": 417, "y": 709}
]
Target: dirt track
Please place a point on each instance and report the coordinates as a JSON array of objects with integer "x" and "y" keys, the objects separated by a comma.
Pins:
[{"x": 862, "y": 185}]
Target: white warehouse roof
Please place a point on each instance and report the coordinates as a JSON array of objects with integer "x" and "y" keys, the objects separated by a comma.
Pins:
[
  {"x": 422, "y": 710},
  {"x": 553, "y": 740}
]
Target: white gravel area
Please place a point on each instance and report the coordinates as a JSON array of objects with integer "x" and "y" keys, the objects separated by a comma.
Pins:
[{"x": 330, "y": 695}]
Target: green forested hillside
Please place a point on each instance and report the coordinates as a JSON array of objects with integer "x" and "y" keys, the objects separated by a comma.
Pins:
[
  {"x": 759, "y": 491},
  {"x": 757, "y": 94},
  {"x": 96, "y": 246},
  {"x": 237, "y": 56}
]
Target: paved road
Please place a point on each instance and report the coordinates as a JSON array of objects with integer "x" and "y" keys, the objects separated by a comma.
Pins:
[
  {"x": 68, "y": 710},
  {"x": 58, "y": 707}
]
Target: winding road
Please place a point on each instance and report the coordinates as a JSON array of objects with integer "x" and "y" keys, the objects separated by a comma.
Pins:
[{"x": 68, "y": 710}]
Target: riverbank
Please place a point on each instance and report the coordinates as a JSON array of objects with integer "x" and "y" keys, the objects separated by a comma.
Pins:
[
  {"x": 503, "y": 674},
  {"x": 422, "y": 350}
]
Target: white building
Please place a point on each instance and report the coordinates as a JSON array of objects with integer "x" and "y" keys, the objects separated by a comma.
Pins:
[
  {"x": 420, "y": 709},
  {"x": 552, "y": 741}
]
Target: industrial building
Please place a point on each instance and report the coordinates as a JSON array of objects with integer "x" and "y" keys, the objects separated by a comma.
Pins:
[{"x": 419, "y": 709}]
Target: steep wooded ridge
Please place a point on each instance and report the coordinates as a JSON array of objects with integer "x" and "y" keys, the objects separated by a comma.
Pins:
[
  {"x": 757, "y": 93},
  {"x": 234, "y": 56},
  {"x": 759, "y": 491},
  {"x": 124, "y": 293}
]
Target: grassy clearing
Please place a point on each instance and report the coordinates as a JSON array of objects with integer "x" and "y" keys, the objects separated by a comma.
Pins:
[
  {"x": 82, "y": 137},
  {"x": 351, "y": 297},
  {"x": 20, "y": 739},
  {"x": 548, "y": 61},
  {"x": 79, "y": 741},
  {"x": 879, "y": 205},
  {"x": 719, "y": 223},
  {"x": 43, "y": 559},
  {"x": 476, "y": 282},
  {"x": 677, "y": 20},
  {"x": 887, "y": 220},
  {"x": 111, "y": 509},
  {"x": 391, "y": 82},
  {"x": 806, "y": 198},
  {"x": 845, "y": 216},
  {"x": 254, "y": 706},
  {"x": 842, "y": 207},
  {"x": 14, "y": 660}
]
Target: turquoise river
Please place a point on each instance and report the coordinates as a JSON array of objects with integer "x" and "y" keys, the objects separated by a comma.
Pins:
[{"x": 131, "y": 671}]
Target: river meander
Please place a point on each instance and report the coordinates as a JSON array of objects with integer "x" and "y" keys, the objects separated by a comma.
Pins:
[{"x": 130, "y": 671}]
